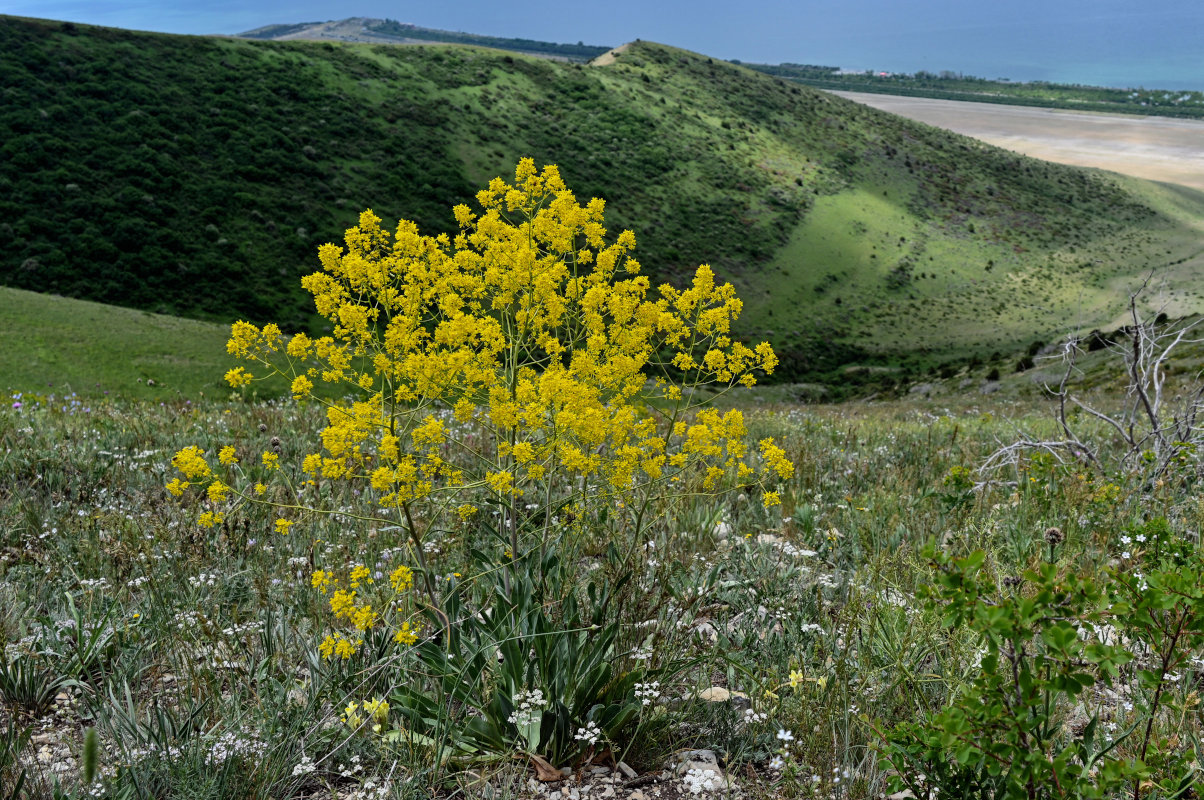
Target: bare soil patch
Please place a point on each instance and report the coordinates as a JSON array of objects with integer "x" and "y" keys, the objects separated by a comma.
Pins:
[{"x": 608, "y": 58}]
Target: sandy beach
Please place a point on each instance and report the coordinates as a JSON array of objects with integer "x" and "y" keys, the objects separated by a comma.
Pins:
[{"x": 1157, "y": 148}]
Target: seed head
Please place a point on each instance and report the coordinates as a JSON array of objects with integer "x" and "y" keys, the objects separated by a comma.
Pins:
[{"x": 1054, "y": 536}]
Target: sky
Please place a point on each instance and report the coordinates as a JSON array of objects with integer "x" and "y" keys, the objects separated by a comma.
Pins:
[{"x": 1154, "y": 43}]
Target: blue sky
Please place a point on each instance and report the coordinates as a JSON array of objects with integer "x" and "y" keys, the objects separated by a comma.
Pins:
[{"x": 1154, "y": 43}]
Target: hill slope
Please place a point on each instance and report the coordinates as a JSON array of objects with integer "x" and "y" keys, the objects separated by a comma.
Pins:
[
  {"x": 197, "y": 176},
  {"x": 58, "y": 345}
]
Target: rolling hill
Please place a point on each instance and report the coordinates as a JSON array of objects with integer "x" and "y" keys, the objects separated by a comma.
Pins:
[{"x": 197, "y": 175}]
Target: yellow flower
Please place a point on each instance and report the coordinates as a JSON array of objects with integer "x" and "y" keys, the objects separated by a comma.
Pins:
[
  {"x": 363, "y": 618},
  {"x": 401, "y": 579},
  {"x": 282, "y": 526},
  {"x": 342, "y": 603},
  {"x": 299, "y": 346},
  {"x": 378, "y": 710},
  {"x": 238, "y": 377},
  {"x": 217, "y": 492},
  {"x": 359, "y": 574},
  {"x": 501, "y": 482},
  {"x": 336, "y": 645},
  {"x": 406, "y": 635},
  {"x": 321, "y": 580},
  {"x": 301, "y": 386},
  {"x": 260, "y": 489},
  {"x": 210, "y": 519},
  {"x": 177, "y": 487},
  {"x": 775, "y": 459},
  {"x": 523, "y": 452},
  {"x": 227, "y": 455},
  {"x": 796, "y": 678},
  {"x": 191, "y": 462},
  {"x": 271, "y": 460}
]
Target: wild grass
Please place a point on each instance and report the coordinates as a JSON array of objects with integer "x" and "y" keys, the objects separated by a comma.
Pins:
[{"x": 194, "y": 656}]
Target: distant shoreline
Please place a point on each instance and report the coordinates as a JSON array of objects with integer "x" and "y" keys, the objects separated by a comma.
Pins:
[{"x": 1156, "y": 148}]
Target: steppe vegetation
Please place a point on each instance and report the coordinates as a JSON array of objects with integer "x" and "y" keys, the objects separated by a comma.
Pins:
[
  {"x": 198, "y": 175},
  {"x": 162, "y": 635},
  {"x": 448, "y": 583}
]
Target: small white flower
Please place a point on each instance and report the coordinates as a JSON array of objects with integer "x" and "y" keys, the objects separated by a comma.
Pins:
[
  {"x": 648, "y": 693},
  {"x": 590, "y": 734},
  {"x": 785, "y": 735}
]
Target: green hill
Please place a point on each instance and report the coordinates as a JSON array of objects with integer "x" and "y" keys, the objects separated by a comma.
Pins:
[{"x": 196, "y": 176}]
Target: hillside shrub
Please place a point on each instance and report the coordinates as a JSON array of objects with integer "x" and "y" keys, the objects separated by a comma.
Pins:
[{"x": 517, "y": 380}]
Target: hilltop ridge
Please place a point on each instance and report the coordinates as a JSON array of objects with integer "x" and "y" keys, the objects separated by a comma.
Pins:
[{"x": 372, "y": 30}]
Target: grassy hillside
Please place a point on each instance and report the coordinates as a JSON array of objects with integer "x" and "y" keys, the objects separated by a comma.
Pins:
[
  {"x": 197, "y": 176},
  {"x": 57, "y": 345}
]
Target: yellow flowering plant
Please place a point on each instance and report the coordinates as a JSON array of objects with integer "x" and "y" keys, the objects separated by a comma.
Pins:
[{"x": 524, "y": 363}]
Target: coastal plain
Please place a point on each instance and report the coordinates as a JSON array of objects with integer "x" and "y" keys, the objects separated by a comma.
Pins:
[{"x": 1155, "y": 148}]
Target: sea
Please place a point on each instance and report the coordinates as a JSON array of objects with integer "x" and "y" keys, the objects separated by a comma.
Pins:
[{"x": 1158, "y": 44}]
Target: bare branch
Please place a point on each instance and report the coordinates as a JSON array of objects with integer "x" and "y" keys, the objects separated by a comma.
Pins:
[{"x": 1154, "y": 428}]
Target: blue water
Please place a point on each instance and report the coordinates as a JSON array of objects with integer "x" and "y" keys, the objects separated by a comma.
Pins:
[{"x": 1099, "y": 44}]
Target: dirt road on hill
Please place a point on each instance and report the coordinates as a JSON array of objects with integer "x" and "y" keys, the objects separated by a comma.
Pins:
[{"x": 1156, "y": 148}]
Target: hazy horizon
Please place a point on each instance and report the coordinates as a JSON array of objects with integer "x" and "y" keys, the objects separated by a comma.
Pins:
[{"x": 1104, "y": 43}]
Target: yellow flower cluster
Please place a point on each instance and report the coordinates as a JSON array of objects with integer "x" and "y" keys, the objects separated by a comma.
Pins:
[
  {"x": 338, "y": 646},
  {"x": 349, "y": 606},
  {"x": 406, "y": 635},
  {"x": 775, "y": 459},
  {"x": 191, "y": 462},
  {"x": 376, "y": 710},
  {"x": 526, "y": 321},
  {"x": 401, "y": 579}
]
